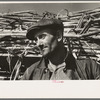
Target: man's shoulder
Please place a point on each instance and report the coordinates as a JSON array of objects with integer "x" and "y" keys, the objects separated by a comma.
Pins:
[
  {"x": 87, "y": 62},
  {"x": 87, "y": 59},
  {"x": 36, "y": 64},
  {"x": 29, "y": 71},
  {"x": 33, "y": 66}
]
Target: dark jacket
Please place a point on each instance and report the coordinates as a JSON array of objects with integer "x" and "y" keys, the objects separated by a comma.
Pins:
[{"x": 83, "y": 69}]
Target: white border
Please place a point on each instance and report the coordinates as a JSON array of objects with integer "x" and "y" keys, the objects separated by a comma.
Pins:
[
  {"x": 49, "y": 1},
  {"x": 49, "y": 89}
]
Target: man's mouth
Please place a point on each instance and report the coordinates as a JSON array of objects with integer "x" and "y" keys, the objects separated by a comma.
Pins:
[{"x": 44, "y": 47}]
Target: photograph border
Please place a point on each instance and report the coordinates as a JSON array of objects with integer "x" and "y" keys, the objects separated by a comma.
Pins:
[{"x": 13, "y": 89}]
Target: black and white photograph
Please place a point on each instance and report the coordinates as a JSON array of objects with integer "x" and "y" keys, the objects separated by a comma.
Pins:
[{"x": 50, "y": 42}]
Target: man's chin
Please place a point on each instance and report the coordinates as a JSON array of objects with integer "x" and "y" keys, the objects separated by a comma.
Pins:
[{"x": 45, "y": 55}]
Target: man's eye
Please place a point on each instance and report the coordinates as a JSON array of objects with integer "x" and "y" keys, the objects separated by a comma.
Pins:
[
  {"x": 42, "y": 36},
  {"x": 35, "y": 39}
]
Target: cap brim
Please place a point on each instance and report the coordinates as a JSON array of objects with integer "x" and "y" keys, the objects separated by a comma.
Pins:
[{"x": 32, "y": 32}]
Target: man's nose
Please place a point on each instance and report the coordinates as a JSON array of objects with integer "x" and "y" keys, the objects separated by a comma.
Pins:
[{"x": 39, "y": 43}]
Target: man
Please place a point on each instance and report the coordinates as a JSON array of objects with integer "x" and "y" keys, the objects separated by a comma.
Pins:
[{"x": 56, "y": 62}]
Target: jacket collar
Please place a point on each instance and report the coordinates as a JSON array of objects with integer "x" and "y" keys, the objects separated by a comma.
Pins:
[{"x": 70, "y": 62}]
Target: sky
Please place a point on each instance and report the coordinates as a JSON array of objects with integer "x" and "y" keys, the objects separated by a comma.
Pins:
[{"x": 51, "y": 7}]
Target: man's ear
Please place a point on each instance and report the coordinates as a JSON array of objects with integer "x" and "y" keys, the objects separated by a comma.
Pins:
[{"x": 59, "y": 35}]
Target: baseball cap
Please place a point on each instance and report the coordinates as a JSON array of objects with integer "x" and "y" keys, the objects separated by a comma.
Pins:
[{"x": 42, "y": 24}]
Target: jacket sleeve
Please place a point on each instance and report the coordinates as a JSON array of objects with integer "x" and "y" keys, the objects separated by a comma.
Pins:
[
  {"x": 88, "y": 69},
  {"x": 95, "y": 69}
]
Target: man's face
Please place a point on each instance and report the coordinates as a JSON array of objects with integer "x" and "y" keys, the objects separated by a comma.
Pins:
[{"x": 46, "y": 42}]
